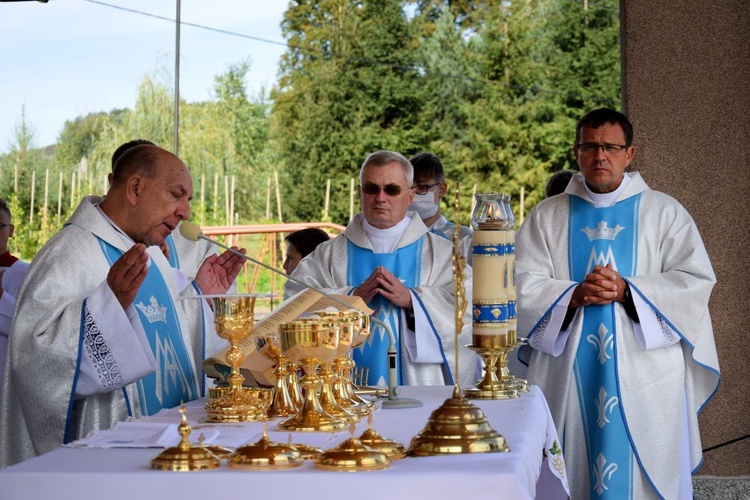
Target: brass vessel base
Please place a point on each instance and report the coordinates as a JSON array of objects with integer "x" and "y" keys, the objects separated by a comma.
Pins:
[
  {"x": 185, "y": 457},
  {"x": 245, "y": 404},
  {"x": 493, "y": 393},
  {"x": 181, "y": 459},
  {"x": 457, "y": 426},
  {"x": 491, "y": 386}
]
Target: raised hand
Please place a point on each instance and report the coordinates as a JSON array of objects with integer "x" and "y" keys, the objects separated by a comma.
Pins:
[
  {"x": 218, "y": 272},
  {"x": 126, "y": 275}
]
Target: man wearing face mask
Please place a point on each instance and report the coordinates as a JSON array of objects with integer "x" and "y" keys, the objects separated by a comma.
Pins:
[{"x": 430, "y": 187}]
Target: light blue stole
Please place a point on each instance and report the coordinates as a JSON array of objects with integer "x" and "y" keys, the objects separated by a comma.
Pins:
[
  {"x": 174, "y": 380},
  {"x": 405, "y": 263},
  {"x": 601, "y": 236}
]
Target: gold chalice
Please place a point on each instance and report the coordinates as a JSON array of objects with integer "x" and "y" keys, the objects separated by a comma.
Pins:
[
  {"x": 233, "y": 317},
  {"x": 332, "y": 383},
  {"x": 283, "y": 405},
  {"x": 310, "y": 342},
  {"x": 345, "y": 392}
]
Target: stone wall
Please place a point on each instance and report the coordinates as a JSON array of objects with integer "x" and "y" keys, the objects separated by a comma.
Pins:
[{"x": 686, "y": 88}]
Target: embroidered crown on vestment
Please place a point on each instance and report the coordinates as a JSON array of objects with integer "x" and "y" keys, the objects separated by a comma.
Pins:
[
  {"x": 154, "y": 312},
  {"x": 602, "y": 232}
]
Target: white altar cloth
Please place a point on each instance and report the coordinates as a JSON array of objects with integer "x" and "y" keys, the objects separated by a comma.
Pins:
[{"x": 115, "y": 473}]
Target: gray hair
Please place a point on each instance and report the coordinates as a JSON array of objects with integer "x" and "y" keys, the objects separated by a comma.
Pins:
[{"x": 383, "y": 158}]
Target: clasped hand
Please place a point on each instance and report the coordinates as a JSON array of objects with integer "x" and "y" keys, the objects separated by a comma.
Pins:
[
  {"x": 385, "y": 283},
  {"x": 601, "y": 287}
]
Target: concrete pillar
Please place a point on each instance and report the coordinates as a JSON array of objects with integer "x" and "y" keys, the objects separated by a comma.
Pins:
[{"x": 686, "y": 88}]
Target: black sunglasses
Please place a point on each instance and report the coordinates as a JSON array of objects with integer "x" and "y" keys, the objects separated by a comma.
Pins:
[{"x": 390, "y": 189}]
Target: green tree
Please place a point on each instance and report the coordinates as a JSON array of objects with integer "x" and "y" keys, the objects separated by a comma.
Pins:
[{"x": 348, "y": 87}]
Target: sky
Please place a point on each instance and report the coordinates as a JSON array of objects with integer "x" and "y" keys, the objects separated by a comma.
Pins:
[{"x": 67, "y": 58}]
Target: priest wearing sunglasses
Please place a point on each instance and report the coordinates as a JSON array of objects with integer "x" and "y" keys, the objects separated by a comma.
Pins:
[{"x": 388, "y": 257}]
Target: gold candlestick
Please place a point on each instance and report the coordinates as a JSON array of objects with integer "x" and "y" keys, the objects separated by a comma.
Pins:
[{"x": 457, "y": 426}]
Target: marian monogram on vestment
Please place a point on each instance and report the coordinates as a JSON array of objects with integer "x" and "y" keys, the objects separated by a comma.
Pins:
[{"x": 602, "y": 232}]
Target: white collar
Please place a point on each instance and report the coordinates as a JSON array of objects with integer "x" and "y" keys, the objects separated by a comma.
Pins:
[
  {"x": 607, "y": 199},
  {"x": 385, "y": 240}
]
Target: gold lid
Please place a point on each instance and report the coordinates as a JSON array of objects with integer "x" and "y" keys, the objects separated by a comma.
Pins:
[
  {"x": 266, "y": 455},
  {"x": 392, "y": 449},
  {"x": 181, "y": 460},
  {"x": 352, "y": 456},
  {"x": 185, "y": 457}
]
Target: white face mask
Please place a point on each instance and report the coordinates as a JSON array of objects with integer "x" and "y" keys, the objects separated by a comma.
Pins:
[{"x": 424, "y": 205}]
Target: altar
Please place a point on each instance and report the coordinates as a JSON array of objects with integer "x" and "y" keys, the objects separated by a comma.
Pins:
[{"x": 107, "y": 465}]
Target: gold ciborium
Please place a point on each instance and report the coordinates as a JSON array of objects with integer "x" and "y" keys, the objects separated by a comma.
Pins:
[
  {"x": 310, "y": 342},
  {"x": 233, "y": 317},
  {"x": 352, "y": 456},
  {"x": 283, "y": 404},
  {"x": 184, "y": 456},
  {"x": 265, "y": 455}
]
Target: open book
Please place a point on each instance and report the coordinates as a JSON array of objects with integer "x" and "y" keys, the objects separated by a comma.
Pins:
[{"x": 256, "y": 368}]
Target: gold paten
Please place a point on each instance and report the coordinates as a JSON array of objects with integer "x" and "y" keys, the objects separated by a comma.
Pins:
[
  {"x": 392, "y": 449},
  {"x": 185, "y": 457},
  {"x": 233, "y": 317},
  {"x": 310, "y": 342},
  {"x": 352, "y": 456},
  {"x": 457, "y": 426},
  {"x": 265, "y": 455}
]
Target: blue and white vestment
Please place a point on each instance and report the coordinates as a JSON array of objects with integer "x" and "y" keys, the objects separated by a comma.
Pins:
[{"x": 624, "y": 395}]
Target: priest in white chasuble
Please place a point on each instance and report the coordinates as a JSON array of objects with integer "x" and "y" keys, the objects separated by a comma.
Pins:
[
  {"x": 100, "y": 333},
  {"x": 613, "y": 286},
  {"x": 389, "y": 258}
]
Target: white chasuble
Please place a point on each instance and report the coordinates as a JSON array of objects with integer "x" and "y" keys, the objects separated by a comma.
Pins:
[
  {"x": 424, "y": 262},
  {"x": 39, "y": 409},
  {"x": 599, "y": 375}
]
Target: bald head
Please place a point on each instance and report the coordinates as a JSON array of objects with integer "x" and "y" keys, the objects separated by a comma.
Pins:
[
  {"x": 150, "y": 193},
  {"x": 141, "y": 160}
]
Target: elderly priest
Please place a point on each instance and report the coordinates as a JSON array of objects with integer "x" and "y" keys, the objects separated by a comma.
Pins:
[
  {"x": 404, "y": 272},
  {"x": 99, "y": 333}
]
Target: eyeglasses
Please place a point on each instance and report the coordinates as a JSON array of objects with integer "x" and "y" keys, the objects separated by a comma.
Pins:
[
  {"x": 591, "y": 148},
  {"x": 3, "y": 225},
  {"x": 425, "y": 188},
  {"x": 390, "y": 189}
]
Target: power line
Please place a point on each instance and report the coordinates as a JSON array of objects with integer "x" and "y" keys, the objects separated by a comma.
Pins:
[{"x": 194, "y": 25}]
